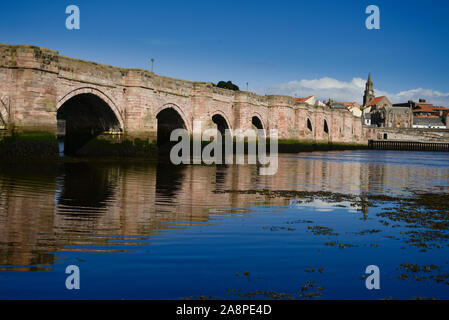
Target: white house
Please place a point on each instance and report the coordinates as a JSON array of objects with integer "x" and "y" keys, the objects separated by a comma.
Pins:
[{"x": 310, "y": 100}]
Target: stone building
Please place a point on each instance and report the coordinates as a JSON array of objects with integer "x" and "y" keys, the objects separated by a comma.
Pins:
[
  {"x": 425, "y": 114},
  {"x": 366, "y": 118},
  {"x": 372, "y": 105},
  {"x": 422, "y": 103},
  {"x": 369, "y": 91},
  {"x": 392, "y": 117},
  {"x": 379, "y": 102},
  {"x": 430, "y": 122},
  {"x": 354, "y": 107},
  {"x": 370, "y": 100}
]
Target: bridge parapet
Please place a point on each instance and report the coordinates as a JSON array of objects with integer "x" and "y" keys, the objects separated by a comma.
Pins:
[
  {"x": 39, "y": 81},
  {"x": 29, "y": 57}
]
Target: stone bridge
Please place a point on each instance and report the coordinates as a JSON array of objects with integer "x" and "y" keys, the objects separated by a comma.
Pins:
[{"x": 43, "y": 87}]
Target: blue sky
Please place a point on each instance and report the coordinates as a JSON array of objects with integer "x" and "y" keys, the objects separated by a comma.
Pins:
[{"x": 283, "y": 47}]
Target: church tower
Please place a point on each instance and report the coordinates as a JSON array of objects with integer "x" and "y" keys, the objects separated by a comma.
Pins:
[{"x": 369, "y": 91}]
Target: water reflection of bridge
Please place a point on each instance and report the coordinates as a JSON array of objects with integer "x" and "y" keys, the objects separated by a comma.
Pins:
[{"x": 47, "y": 208}]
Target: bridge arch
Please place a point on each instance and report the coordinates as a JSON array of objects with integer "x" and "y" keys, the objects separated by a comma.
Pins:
[
  {"x": 325, "y": 127},
  {"x": 169, "y": 117},
  {"x": 94, "y": 91},
  {"x": 309, "y": 125},
  {"x": 222, "y": 121},
  {"x": 256, "y": 120},
  {"x": 185, "y": 119},
  {"x": 82, "y": 116}
]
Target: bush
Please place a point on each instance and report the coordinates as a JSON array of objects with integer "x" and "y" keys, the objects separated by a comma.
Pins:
[{"x": 228, "y": 85}]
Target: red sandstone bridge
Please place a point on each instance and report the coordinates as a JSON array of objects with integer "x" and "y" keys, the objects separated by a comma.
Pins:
[{"x": 91, "y": 98}]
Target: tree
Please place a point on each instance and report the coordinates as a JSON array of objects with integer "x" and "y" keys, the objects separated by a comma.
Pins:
[{"x": 228, "y": 85}]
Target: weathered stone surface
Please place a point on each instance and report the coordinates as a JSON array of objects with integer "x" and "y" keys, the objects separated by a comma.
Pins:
[
  {"x": 39, "y": 81},
  {"x": 407, "y": 134}
]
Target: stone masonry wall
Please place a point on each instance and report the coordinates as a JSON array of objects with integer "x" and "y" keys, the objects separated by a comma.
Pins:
[
  {"x": 404, "y": 134},
  {"x": 39, "y": 81}
]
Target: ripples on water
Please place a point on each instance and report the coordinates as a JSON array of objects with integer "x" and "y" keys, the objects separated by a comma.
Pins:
[{"x": 151, "y": 230}]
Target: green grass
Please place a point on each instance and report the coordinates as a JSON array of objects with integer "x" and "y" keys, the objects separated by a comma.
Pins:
[
  {"x": 29, "y": 145},
  {"x": 30, "y": 136},
  {"x": 126, "y": 148},
  {"x": 293, "y": 146}
]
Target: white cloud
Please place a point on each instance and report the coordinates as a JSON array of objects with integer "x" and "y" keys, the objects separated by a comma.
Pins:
[
  {"x": 325, "y": 88},
  {"x": 436, "y": 97}
]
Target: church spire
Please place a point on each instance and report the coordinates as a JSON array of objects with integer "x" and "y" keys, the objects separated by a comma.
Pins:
[{"x": 369, "y": 91}]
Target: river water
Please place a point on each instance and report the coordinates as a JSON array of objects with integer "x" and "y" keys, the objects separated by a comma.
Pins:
[{"x": 148, "y": 230}]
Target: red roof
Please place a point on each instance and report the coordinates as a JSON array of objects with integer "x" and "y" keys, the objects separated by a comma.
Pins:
[
  {"x": 425, "y": 108},
  {"x": 375, "y": 101},
  {"x": 302, "y": 99},
  {"x": 349, "y": 104},
  {"x": 427, "y": 117}
]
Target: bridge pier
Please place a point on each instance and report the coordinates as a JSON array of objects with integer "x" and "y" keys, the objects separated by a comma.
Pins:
[{"x": 40, "y": 84}]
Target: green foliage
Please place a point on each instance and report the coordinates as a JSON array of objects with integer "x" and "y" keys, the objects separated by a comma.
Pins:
[
  {"x": 330, "y": 102},
  {"x": 32, "y": 136},
  {"x": 228, "y": 85}
]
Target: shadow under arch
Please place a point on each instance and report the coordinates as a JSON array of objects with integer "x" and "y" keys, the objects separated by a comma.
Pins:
[
  {"x": 255, "y": 120},
  {"x": 309, "y": 125},
  {"x": 168, "y": 119},
  {"x": 221, "y": 122},
  {"x": 83, "y": 117}
]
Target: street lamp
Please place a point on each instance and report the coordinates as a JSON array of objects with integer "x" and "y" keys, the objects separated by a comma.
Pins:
[{"x": 152, "y": 64}]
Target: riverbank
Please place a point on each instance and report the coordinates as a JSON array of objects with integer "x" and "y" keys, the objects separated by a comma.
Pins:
[
  {"x": 293, "y": 146},
  {"x": 45, "y": 146}
]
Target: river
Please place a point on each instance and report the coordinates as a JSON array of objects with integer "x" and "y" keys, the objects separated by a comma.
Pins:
[{"x": 149, "y": 230}]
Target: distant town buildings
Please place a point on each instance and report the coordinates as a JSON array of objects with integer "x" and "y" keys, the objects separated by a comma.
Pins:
[
  {"x": 379, "y": 112},
  {"x": 370, "y": 100},
  {"x": 352, "y": 107},
  {"x": 392, "y": 117},
  {"x": 379, "y": 102},
  {"x": 426, "y": 115},
  {"x": 310, "y": 100}
]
